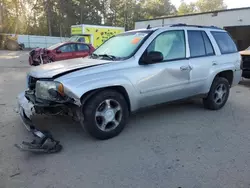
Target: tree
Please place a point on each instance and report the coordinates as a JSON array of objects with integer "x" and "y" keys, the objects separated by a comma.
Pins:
[
  {"x": 47, "y": 8},
  {"x": 54, "y": 17},
  {"x": 210, "y": 5},
  {"x": 157, "y": 8},
  {"x": 1, "y": 16},
  {"x": 125, "y": 13},
  {"x": 201, "y": 6},
  {"x": 186, "y": 8}
]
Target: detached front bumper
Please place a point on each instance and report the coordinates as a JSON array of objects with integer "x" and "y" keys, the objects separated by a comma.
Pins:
[{"x": 26, "y": 110}]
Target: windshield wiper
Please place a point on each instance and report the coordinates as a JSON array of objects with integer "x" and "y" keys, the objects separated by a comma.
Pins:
[
  {"x": 112, "y": 57},
  {"x": 94, "y": 55}
]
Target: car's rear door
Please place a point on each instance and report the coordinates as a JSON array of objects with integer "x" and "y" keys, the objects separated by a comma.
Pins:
[
  {"x": 82, "y": 50},
  {"x": 201, "y": 59},
  {"x": 65, "y": 52}
]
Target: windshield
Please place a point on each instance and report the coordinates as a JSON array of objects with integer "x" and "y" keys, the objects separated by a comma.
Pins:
[
  {"x": 54, "y": 46},
  {"x": 248, "y": 48},
  {"x": 123, "y": 45}
]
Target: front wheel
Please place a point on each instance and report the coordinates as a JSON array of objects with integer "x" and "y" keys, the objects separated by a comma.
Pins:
[
  {"x": 218, "y": 94},
  {"x": 105, "y": 114}
]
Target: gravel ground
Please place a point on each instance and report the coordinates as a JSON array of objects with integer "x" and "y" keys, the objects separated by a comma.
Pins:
[{"x": 180, "y": 145}]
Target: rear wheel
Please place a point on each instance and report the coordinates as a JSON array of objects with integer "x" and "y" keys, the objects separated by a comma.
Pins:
[
  {"x": 105, "y": 114},
  {"x": 218, "y": 94}
]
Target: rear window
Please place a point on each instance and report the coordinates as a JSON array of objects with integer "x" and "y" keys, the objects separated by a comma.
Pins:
[{"x": 225, "y": 42}]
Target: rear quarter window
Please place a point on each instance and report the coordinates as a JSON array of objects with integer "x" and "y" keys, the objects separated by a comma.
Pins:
[{"x": 225, "y": 42}]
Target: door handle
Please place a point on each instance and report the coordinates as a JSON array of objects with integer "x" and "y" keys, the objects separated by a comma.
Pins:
[{"x": 185, "y": 68}]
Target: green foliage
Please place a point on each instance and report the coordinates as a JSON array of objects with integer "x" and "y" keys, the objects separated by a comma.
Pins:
[
  {"x": 54, "y": 17},
  {"x": 201, "y": 6},
  {"x": 186, "y": 8},
  {"x": 210, "y": 5}
]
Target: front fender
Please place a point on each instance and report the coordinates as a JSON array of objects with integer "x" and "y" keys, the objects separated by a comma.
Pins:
[{"x": 77, "y": 91}]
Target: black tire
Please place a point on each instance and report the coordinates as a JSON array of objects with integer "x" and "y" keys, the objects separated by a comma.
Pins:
[
  {"x": 89, "y": 109},
  {"x": 209, "y": 101}
]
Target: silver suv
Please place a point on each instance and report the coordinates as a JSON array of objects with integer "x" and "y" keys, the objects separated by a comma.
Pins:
[{"x": 133, "y": 70}]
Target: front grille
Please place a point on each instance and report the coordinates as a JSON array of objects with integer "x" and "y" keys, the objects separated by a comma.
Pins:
[{"x": 32, "y": 82}]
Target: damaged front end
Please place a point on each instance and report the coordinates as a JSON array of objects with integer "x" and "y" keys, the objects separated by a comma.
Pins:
[
  {"x": 40, "y": 56},
  {"x": 45, "y": 96}
]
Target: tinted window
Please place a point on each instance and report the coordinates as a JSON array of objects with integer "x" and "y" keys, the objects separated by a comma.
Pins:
[
  {"x": 171, "y": 44},
  {"x": 82, "y": 47},
  {"x": 225, "y": 42},
  {"x": 196, "y": 44},
  {"x": 68, "y": 48},
  {"x": 208, "y": 46}
]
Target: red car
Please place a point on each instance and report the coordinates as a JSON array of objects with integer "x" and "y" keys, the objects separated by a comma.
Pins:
[{"x": 61, "y": 51}]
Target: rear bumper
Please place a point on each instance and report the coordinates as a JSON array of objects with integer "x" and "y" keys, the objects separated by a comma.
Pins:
[{"x": 237, "y": 77}]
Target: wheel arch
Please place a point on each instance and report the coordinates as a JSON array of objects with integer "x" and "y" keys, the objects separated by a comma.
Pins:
[
  {"x": 120, "y": 89},
  {"x": 227, "y": 74}
]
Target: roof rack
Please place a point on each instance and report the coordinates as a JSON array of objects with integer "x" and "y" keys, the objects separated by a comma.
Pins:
[
  {"x": 199, "y": 26},
  {"x": 184, "y": 25},
  {"x": 162, "y": 25}
]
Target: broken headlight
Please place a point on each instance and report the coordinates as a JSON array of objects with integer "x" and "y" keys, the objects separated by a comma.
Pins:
[{"x": 49, "y": 90}]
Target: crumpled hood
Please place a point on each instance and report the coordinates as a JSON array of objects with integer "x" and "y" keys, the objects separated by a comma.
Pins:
[{"x": 60, "y": 67}]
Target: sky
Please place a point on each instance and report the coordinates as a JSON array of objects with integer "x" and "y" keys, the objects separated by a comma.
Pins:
[{"x": 230, "y": 3}]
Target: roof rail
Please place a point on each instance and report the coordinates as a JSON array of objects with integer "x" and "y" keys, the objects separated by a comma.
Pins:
[
  {"x": 199, "y": 26},
  {"x": 162, "y": 25},
  {"x": 184, "y": 25}
]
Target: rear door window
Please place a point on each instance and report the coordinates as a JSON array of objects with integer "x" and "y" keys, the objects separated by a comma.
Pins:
[
  {"x": 225, "y": 42},
  {"x": 68, "y": 48},
  {"x": 208, "y": 45},
  {"x": 196, "y": 44}
]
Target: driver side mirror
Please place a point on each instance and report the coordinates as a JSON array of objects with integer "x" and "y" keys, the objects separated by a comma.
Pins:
[
  {"x": 153, "y": 57},
  {"x": 58, "y": 51}
]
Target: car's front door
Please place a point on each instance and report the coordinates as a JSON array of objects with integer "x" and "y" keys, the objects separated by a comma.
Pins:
[
  {"x": 65, "y": 52},
  {"x": 169, "y": 79},
  {"x": 82, "y": 50},
  {"x": 202, "y": 57}
]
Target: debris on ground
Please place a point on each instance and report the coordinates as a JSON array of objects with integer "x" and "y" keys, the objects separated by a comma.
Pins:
[
  {"x": 16, "y": 174},
  {"x": 43, "y": 143}
]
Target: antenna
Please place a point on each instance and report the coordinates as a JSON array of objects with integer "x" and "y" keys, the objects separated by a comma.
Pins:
[{"x": 148, "y": 27}]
